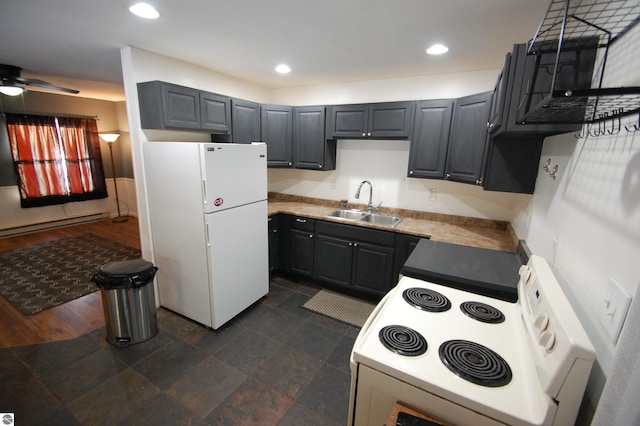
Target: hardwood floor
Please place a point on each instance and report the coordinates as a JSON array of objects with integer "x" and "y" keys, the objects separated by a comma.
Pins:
[{"x": 71, "y": 319}]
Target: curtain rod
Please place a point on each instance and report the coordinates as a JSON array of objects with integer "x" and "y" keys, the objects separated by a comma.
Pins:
[{"x": 44, "y": 114}]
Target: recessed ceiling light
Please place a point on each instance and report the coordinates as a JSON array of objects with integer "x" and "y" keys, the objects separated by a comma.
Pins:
[
  {"x": 437, "y": 49},
  {"x": 283, "y": 69},
  {"x": 144, "y": 10}
]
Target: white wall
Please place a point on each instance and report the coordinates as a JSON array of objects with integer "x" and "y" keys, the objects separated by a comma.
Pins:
[
  {"x": 592, "y": 211},
  {"x": 384, "y": 164}
]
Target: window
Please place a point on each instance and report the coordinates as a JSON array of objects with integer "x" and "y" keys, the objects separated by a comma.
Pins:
[{"x": 57, "y": 159}]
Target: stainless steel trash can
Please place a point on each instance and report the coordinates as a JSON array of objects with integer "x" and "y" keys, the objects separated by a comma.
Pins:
[{"x": 128, "y": 300}]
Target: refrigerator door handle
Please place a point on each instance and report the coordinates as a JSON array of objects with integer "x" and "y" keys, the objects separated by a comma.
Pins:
[
  {"x": 206, "y": 234},
  {"x": 204, "y": 191}
]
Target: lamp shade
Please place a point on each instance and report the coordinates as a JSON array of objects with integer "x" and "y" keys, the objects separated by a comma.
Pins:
[{"x": 110, "y": 137}]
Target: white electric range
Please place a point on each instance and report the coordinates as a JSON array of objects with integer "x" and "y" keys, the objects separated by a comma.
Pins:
[{"x": 468, "y": 359}]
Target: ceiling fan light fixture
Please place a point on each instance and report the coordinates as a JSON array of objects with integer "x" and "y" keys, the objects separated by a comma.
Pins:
[
  {"x": 144, "y": 10},
  {"x": 437, "y": 49},
  {"x": 11, "y": 90}
]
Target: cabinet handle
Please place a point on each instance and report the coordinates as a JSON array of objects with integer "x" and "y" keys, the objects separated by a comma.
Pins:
[
  {"x": 364, "y": 134},
  {"x": 289, "y": 162},
  {"x": 448, "y": 175},
  {"x": 410, "y": 172},
  {"x": 275, "y": 230},
  {"x": 301, "y": 220},
  {"x": 319, "y": 166},
  {"x": 369, "y": 134},
  {"x": 350, "y": 244},
  {"x": 310, "y": 235},
  {"x": 355, "y": 244},
  {"x": 479, "y": 181}
]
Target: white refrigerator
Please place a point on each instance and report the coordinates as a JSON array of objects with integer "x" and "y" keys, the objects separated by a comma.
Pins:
[{"x": 208, "y": 212}]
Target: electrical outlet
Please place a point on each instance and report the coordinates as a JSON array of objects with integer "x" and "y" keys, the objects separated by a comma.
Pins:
[
  {"x": 613, "y": 309},
  {"x": 432, "y": 194}
]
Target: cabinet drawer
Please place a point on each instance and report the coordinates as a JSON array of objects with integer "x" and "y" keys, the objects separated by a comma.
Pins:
[
  {"x": 302, "y": 223},
  {"x": 357, "y": 233}
]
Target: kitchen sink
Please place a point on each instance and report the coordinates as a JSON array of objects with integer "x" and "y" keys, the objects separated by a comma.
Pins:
[
  {"x": 364, "y": 216},
  {"x": 382, "y": 219},
  {"x": 348, "y": 214}
]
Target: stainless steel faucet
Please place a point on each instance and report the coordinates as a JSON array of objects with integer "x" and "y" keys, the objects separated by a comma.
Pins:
[{"x": 370, "y": 207}]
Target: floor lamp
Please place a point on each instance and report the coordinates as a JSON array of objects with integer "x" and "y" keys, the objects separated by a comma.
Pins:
[{"x": 110, "y": 138}]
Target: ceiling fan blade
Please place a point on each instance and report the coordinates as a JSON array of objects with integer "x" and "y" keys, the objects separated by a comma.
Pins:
[{"x": 46, "y": 85}]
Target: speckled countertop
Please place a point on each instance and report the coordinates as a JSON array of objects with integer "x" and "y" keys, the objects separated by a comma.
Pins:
[{"x": 484, "y": 233}]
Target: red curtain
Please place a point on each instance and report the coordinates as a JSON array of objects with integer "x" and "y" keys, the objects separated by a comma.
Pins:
[{"x": 57, "y": 159}]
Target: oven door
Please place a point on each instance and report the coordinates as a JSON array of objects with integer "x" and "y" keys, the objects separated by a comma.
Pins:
[{"x": 376, "y": 394}]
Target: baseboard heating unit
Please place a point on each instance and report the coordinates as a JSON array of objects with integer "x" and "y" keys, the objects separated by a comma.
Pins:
[{"x": 43, "y": 226}]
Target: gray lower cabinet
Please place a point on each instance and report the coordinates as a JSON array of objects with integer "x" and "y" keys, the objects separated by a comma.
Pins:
[
  {"x": 468, "y": 139},
  {"x": 301, "y": 245},
  {"x": 276, "y": 130},
  {"x": 274, "y": 243},
  {"x": 245, "y": 119},
  {"x": 428, "y": 152},
  {"x": 355, "y": 258},
  {"x": 170, "y": 106},
  {"x": 392, "y": 120},
  {"x": 311, "y": 150}
]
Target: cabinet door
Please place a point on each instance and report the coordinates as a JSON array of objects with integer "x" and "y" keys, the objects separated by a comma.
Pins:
[
  {"x": 390, "y": 120},
  {"x": 428, "y": 151},
  {"x": 215, "y": 112},
  {"x": 273, "y": 243},
  {"x": 181, "y": 107},
  {"x": 512, "y": 165},
  {"x": 372, "y": 269},
  {"x": 276, "y": 124},
  {"x": 348, "y": 121},
  {"x": 333, "y": 260},
  {"x": 302, "y": 251},
  {"x": 499, "y": 99},
  {"x": 310, "y": 147},
  {"x": 468, "y": 138},
  {"x": 245, "y": 119}
]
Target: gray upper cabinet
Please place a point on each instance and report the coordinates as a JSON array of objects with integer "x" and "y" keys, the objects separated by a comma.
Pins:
[
  {"x": 215, "y": 112},
  {"x": 430, "y": 139},
  {"x": 245, "y": 121},
  {"x": 526, "y": 79},
  {"x": 169, "y": 106},
  {"x": 276, "y": 123},
  {"x": 311, "y": 149},
  {"x": 389, "y": 120},
  {"x": 468, "y": 138}
]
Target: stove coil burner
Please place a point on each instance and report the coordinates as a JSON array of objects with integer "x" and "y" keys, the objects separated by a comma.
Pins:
[
  {"x": 475, "y": 363},
  {"x": 403, "y": 340},
  {"x": 427, "y": 300},
  {"x": 482, "y": 312}
]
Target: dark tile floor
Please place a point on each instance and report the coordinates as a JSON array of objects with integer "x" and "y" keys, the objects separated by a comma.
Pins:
[{"x": 275, "y": 364}]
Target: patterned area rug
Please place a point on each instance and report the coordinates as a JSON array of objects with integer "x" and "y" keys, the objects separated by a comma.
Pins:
[
  {"x": 338, "y": 306},
  {"x": 41, "y": 276}
]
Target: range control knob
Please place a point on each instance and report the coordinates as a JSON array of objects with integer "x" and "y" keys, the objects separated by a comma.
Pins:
[
  {"x": 541, "y": 322},
  {"x": 525, "y": 274},
  {"x": 547, "y": 340}
]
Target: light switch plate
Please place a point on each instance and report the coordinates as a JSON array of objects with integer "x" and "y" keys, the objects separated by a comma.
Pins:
[{"x": 613, "y": 309}]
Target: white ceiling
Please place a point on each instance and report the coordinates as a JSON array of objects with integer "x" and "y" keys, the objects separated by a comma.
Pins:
[{"x": 76, "y": 43}]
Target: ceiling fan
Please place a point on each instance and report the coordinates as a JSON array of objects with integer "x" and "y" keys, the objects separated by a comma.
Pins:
[{"x": 12, "y": 82}]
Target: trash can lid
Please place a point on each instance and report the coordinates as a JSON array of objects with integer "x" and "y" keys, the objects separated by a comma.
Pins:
[
  {"x": 126, "y": 267},
  {"x": 125, "y": 274}
]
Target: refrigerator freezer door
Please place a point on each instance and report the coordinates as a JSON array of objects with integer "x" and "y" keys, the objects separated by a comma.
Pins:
[
  {"x": 238, "y": 259},
  {"x": 235, "y": 175}
]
